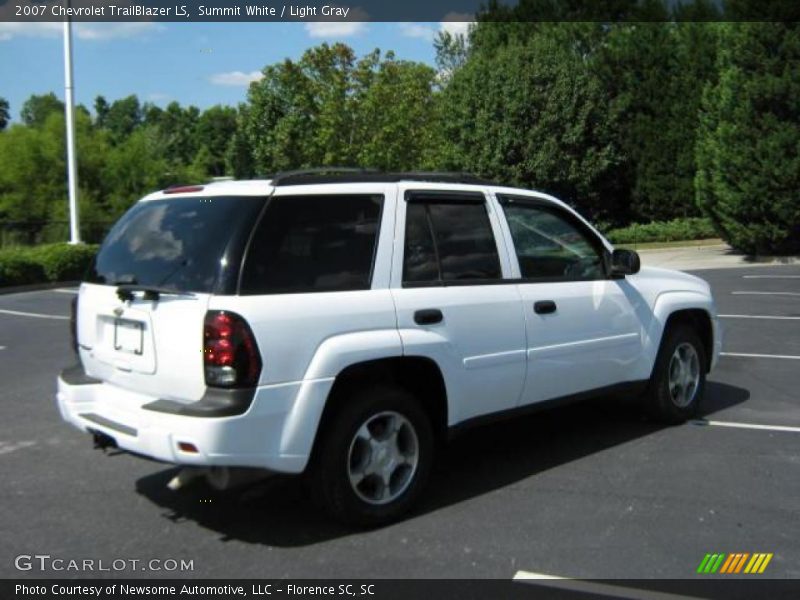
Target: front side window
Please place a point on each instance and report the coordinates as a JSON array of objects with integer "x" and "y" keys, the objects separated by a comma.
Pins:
[
  {"x": 550, "y": 245},
  {"x": 448, "y": 242},
  {"x": 313, "y": 244}
]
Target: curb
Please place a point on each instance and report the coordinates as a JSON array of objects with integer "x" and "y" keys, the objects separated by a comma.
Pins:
[{"x": 36, "y": 287}]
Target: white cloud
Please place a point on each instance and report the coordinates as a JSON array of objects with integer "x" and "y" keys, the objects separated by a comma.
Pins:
[
  {"x": 83, "y": 31},
  {"x": 417, "y": 30},
  {"x": 456, "y": 23},
  {"x": 334, "y": 29},
  {"x": 158, "y": 97},
  {"x": 236, "y": 78}
]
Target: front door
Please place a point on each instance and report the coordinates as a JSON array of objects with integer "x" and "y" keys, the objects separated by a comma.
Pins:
[{"x": 582, "y": 328}]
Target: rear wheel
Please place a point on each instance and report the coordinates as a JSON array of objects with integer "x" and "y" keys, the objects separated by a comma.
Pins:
[
  {"x": 678, "y": 380},
  {"x": 374, "y": 457}
]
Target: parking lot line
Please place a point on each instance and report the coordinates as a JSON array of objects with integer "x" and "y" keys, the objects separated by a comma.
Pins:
[
  {"x": 743, "y": 293},
  {"x": 771, "y": 276},
  {"x": 748, "y": 355},
  {"x": 18, "y": 313},
  {"x": 776, "y": 318},
  {"x": 787, "y": 428},
  {"x": 593, "y": 588},
  {"x": 66, "y": 290}
]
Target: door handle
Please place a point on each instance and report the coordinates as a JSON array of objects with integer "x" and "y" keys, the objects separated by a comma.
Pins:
[
  {"x": 544, "y": 307},
  {"x": 428, "y": 316}
]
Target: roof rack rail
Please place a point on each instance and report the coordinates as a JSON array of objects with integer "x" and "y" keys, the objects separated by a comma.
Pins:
[
  {"x": 283, "y": 176},
  {"x": 357, "y": 175}
]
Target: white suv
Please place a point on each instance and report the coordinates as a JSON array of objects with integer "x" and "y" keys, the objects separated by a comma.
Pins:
[{"x": 340, "y": 323}]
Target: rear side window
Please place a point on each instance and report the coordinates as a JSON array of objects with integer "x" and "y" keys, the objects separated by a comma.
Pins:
[
  {"x": 176, "y": 243},
  {"x": 448, "y": 241},
  {"x": 313, "y": 244}
]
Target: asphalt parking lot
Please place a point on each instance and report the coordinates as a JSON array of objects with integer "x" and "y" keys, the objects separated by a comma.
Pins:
[{"x": 590, "y": 491}]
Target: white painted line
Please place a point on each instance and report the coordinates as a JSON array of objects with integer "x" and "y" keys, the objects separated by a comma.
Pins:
[
  {"x": 593, "y": 588},
  {"x": 745, "y": 355},
  {"x": 36, "y": 315},
  {"x": 771, "y": 276},
  {"x": 66, "y": 290},
  {"x": 2, "y": 347},
  {"x": 746, "y": 425},
  {"x": 776, "y": 318},
  {"x": 766, "y": 293}
]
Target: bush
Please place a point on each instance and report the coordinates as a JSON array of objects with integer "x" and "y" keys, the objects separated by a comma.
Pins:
[
  {"x": 692, "y": 228},
  {"x": 64, "y": 262},
  {"x": 748, "y": 162},
  {"x": 50, "y": 262},
  {"x": 18, "y": 268}
]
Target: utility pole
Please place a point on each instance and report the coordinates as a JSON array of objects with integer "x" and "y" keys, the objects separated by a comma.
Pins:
[{"x": 72, "y": 161}]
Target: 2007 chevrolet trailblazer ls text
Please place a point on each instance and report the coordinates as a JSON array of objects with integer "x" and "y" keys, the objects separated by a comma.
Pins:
[{"x": 340, "y": 323}]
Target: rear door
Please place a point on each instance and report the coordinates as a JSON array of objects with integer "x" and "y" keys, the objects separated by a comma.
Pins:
[
  {"x": 152, "y": 343},
  {"x": 452, "y": 300},
  {"x": 583, "y": 328}
]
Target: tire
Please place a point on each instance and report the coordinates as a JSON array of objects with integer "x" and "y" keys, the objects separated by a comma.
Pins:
[
  {"x": 356, "y": 455},
  {"x": 678, "y": 379}
]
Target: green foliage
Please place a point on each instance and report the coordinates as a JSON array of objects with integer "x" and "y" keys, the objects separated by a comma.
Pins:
[
  {"x": 63, "y": 262},
  {"x": 38, "y": 108},
  {"x": 748, "y": 149},
  {"x": 532, "y": 115},
  {"x": 692, "y": 228},
  {"x": 329, "y": 108},
  {"x": 50, "y": 262},
  {"x": 625, "y": 116},
  {"x": 17, "y": 267},
  {"x": 654, "y": 73}
]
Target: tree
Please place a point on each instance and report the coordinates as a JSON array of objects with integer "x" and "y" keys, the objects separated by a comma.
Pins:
[
  {"x": 451, "y": 53},
  {"x": 215, "y": 129},
  {"x": 748, "y": 149},
  {"x": 38, "y": 108},
  {"x": 5, "y": 116},
  {"x": 534, "y": 115},
  {"x": 101, "y": 109},
  {"x": 330, "y": 109},
  {"x": 122, "y": 117},
  {"x": 654, "y": 75},
  {"x": 177, "y": 127}
]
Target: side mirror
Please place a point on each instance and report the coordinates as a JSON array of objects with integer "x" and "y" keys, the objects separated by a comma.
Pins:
[{"x": 625, "y": 262}]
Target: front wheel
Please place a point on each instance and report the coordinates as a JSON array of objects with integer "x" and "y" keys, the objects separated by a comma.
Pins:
[
  {"x": 374, "y": 457},
  {"x": 679, "y": 376}
]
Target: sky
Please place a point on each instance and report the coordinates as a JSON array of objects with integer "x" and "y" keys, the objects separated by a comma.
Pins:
[{"x": 191, "y": 63}]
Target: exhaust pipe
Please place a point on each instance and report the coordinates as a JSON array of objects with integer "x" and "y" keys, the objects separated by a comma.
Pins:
[
  {"x": 225, "y": 478},
  {"x": 219, "y": 478}
]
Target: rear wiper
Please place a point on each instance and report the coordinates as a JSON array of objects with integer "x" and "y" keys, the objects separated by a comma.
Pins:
[{"x": 126, "y": 290}]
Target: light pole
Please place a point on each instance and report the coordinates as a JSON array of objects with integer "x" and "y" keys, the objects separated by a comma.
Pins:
[{"x": 69, "y": 109}]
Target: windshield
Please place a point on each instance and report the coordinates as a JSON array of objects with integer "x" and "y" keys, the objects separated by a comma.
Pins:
[{"x": 176, "y": 243}]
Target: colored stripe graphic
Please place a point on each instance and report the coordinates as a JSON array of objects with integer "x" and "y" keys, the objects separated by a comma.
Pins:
[
  {"x": 728, "y": 564},
  {"x": 734, "y": 563},
  {"x": 703, "y": 563}
]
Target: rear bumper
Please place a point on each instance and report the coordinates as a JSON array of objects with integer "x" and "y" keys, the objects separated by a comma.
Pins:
[{"x": 276, "y": 432}]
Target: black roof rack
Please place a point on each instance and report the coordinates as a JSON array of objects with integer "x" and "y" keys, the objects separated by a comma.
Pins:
[{"x": 357, "y": 175}]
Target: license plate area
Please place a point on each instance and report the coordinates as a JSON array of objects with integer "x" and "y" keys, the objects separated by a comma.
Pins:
[{"x": 128, "y": 336}]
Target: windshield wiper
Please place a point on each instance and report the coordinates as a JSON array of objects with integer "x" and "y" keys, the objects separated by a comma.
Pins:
[{"x": 151, "y": 292}]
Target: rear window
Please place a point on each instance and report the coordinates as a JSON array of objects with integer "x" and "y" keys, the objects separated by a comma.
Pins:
[
  {"x": 313, "y": 244},
  {"x": 176, "y": 243}
]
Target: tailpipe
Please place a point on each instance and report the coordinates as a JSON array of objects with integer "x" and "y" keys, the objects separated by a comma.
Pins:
[
  {"x": 219, "y": 478},
  {"x": 225, "y": 478}
]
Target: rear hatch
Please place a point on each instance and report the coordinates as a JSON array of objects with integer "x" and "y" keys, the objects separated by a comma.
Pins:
[{"x": 142, "y": 307}]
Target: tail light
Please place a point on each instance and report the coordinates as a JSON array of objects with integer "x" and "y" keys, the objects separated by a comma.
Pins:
[
  {"x": 73, "y": 324},
  {"x": 230, "y": 353}
]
